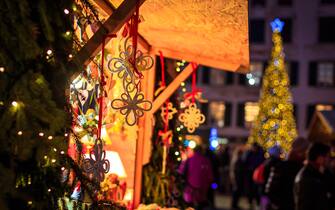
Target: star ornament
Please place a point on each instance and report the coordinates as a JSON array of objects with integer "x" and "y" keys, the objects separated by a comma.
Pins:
[
  {"x": 277, "y": 25},
  {"x": 192, "y": 118}
]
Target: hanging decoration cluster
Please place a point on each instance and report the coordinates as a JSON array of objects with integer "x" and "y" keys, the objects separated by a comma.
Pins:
[
  {"x": 129, "y": 66},
  {"x": 167, "y": 112},
  {"x": 192, "y": 117},
  {"x": 275, "y": 124}
]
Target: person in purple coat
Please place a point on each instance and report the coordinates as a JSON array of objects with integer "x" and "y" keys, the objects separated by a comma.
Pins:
[{"x": 198, "y": 173}]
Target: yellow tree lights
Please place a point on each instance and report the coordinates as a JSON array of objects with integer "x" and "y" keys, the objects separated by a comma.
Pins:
[{"x": 275, "y": 124}]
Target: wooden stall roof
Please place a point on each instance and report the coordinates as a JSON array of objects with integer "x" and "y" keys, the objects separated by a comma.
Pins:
[
  {"x": 322, "y": 126},
  {"x": 211, "y": 32}
]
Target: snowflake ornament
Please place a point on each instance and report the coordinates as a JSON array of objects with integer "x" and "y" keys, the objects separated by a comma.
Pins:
[{"x": 192, "y": 118}]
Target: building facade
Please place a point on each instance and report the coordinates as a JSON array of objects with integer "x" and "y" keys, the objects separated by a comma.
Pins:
[{"x": 309, "y": 46}]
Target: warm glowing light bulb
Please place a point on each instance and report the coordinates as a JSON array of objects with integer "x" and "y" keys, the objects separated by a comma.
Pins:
[
  {"x": 49, "y": 190},
  {"x": 62, "y": 152},
  {"x": 19, "y": 133},
  {"x": 192, "y": 144},
  {"x": 55, "y": 149},
  {"x": 50, "y": 137},
  {"x": 176, "y": 153},
  {"x": 66, "y": 11},
  {"x": 67, "y": 33},
  {"x": 62, "y": 168},
  {"x": 53, "y": 160},
  {"x": 66, "y": 134},
  {"x": 70, "y": 56},
  {"x": 41, "y": 134},
  {"x": 15, "y": 104},
  {"x": 49, "y": 52},
  {"x": 2, "y": 69}
]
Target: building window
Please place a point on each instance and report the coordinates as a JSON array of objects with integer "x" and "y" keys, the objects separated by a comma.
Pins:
[
  {"x": 217, "y": 113},
  {"x": 257, "y": 31},
  {"x": 325, "y": 74},
  {"x": 295, "y": 113},
  {"x": 220, "y": 77},
  {"x": 258, "y": 3},
  {"x": 328, "y": 1},
  {"x": 251, "y": 110},
  {"x": 285, "y": 2},
  {"x": 206, "y": 75},
  {"x": 293, "y": 72},
  {"x": 327, "y": 29},
  {"x": 204, "y": 111},
  {"x": 321, "y": 74},
  {"x": 287, "y": 30}
]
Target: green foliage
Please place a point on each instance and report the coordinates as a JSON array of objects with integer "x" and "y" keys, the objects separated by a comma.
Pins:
[{"x": 30, "y": 165}]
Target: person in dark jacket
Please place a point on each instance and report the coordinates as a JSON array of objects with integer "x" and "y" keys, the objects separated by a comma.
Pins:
[
  {"x": 279, "y": 186},
  {"x": 310, "y": 191},
  {"x": 236, "y": 174},
  {"x": 252, "y": 158}
]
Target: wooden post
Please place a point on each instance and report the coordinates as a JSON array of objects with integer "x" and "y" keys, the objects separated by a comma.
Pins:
[
  {"x": 171, "y": 88},
  {"x": 143, "y": 145}
]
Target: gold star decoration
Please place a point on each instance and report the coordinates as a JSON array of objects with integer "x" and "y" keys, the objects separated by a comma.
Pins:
[
  {"x": 170, "y": 112},
  {"x": 192, "y": 118}
]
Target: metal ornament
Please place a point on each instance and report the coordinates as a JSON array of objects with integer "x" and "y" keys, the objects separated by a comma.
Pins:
[
  {"x": 126, "y": 68},
  {"x": 132, "y": 105},
  {"x": 192, "y": 118},
  {"x": 168, "y": 110},
  {"x": 96, "y": 165}
]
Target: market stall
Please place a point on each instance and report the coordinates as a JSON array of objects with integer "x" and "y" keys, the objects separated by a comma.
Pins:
[{"x": 112, "y": 95}]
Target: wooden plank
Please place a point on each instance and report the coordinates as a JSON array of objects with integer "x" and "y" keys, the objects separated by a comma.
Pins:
[
  {"x": 108, "y": 8},
  {"x": 171, "y": 88},
  {"x": 110, "y": 26},
  {"x": 224, "y": 64},
  {"x": 143, "y": 146}
]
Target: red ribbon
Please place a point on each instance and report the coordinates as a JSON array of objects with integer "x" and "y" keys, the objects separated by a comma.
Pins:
[
  {"x": 194, "y": 81},
  {"x": 163, "y": 84},
  {"x": 131, "y": 29},
  {"x": 102, "y": 83}
]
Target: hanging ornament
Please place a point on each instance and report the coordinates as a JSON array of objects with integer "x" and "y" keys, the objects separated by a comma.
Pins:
[
  {"x": 128, "y": 67},
  {"x": 96, "y": 165},
  {"x": 132, "y": 105},
  {"x": 192, "y": 118},
  {"x": 168, "y": 110}
]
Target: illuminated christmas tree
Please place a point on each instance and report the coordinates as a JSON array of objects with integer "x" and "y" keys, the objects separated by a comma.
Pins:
[{"x": 275, "y": 123}]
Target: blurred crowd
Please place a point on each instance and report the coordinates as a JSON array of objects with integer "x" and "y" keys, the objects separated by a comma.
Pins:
[{"x": 301, "y": 179}]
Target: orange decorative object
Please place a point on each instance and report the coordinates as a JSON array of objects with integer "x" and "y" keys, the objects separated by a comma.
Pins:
[{"x": 192, "y": 118}]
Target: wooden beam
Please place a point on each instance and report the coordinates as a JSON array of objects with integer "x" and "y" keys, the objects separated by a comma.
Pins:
[
  {"x": 171, "y": 88},
  {"x": 112, "y": 25},
  {"x": 143, "y": 143},
  {"x": 214, "y": 62},
  {"x": 108, "y": 8}
]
